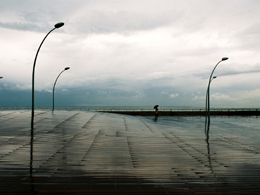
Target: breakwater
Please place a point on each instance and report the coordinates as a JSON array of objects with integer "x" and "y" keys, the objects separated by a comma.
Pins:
[{"x": 186, "y": 112}]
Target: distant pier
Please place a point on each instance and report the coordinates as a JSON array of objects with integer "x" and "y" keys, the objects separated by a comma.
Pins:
[{"x": 224, "y": 112}]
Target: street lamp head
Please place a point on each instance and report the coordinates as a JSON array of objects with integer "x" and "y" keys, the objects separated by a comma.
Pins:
[
  {"x": 1, "y": 77},
  {"x": 58, "y": 25},
  {"x": 67, "y": 68},
  {"x": 224, "y": 58},
  {"x": 214, "y": 77}
]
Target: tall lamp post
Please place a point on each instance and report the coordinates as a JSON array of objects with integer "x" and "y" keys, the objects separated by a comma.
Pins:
[
  {"x": 207, "y": 97},
  {"x": 58, "y": 25},
  {"x": 208, "y": 89},
  {"x": 67, "y": 68},
  {"x": 206, "y": 105}
]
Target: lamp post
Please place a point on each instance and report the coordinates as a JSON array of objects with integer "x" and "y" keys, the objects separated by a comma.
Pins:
[
  {"x": 207, "y": 97},
  {"x": 206, "y": 105},
  {"x": 67, "y": 68},
  {"x": 208, "y": 89},
  {"x": 58, "y": 25}
]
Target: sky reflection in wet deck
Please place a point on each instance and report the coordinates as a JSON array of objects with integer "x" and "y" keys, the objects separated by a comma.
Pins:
[{"x": 97, "y": 153}]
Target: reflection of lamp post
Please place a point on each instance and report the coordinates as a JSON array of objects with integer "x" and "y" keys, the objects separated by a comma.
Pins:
[
  {"x": 67, "y": 68},
  {"x": 208, "y": 89},
  {"x": 58, "y": 25}
]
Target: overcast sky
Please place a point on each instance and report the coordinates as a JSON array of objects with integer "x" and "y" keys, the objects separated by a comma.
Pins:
[{"x": 130, "y": 53}]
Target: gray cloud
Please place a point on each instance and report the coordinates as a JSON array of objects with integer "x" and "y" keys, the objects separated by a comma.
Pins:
[
  {"x": 248, "y": 38},
  {"x": 225, "y": 71},
  {"x": 23, "y": 26},
  {"x": 131, "y": 52},
  {"x": 123, "y": 21}
]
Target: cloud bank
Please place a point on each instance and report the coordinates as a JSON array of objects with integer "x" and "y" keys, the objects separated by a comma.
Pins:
[{"x": 131, "y": 52}]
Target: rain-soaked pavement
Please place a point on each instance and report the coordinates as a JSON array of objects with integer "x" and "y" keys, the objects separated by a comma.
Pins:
[{"x": 74, "y": 152}]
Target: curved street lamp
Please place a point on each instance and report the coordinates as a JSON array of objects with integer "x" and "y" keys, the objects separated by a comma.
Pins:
[
  {"x": 208, "y": 89},
  {"x": 58, "y": 25},
  {"x": 67, "y": 68}
]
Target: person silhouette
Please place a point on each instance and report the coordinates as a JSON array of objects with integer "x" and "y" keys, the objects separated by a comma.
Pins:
[{"x": 156, "y": 112}]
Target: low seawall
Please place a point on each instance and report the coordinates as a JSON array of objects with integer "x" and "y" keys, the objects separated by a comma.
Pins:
[{"x": 188, "y": 113}]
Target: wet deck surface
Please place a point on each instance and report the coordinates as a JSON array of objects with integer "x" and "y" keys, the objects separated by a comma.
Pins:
[{"x": 71, "y": 152}]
